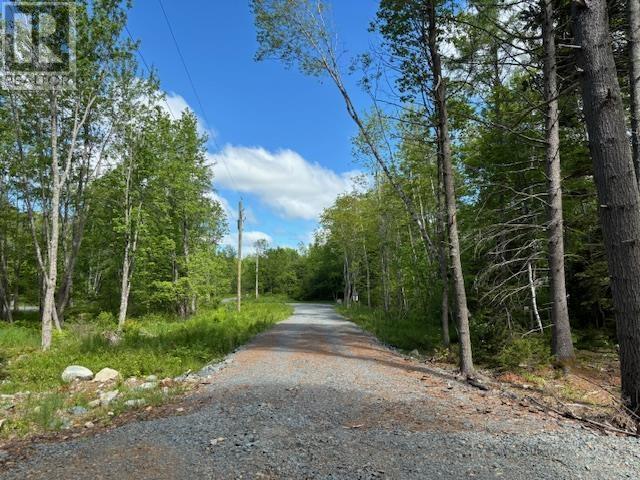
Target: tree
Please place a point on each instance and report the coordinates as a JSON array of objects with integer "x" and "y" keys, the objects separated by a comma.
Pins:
[
  {"x": 562, "y": 344},
  {"x": 633, "y": 17},
  {"x": 295, "y": 32},
  {"x": 616, "y": 183}
]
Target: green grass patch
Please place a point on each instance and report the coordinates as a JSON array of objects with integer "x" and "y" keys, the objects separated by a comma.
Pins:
[
  {"x": 406, "y": 332},
  {"x": 155, "y": 344}
]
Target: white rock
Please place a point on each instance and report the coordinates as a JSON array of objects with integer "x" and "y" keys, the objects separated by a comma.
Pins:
[
  {"x": 107, "y": 375},
  {"x": 135, "y": 403},
  {"x": 94, "y": 403},
  {"x": 77, "y": 410},
  {"x": 131, "y": 382},
  {"x": 152, "y": 378},
  {"x": 74, "y": 372},
  {"x": 107, "y": 397},
  {"x": 146, "y": 386}
]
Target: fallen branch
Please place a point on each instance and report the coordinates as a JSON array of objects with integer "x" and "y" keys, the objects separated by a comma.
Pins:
[
  {"x": 474, "y": 382},
  {"x": 619, "y": 403},
  {"x": 573, "y": 416}
]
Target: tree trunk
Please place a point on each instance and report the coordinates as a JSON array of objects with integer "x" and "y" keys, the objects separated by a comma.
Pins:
[
  {"x": 633, "y": 11},
  {"x": 125, "y": 285},
  {"x": 562, "y": 344},
  {"x": 617, "y": 188},
  {"x": 131, "y": 244},
  {"x": 466, "y": 357},
  {"x": 127, "y": 271},
  {"x": 441, "y": 231},
  {"x": 52, "y": 245},
  {"x": 367, "y": 272},
  {"x": 5, "y": 304},
  {"x": 64, "y": 291}
]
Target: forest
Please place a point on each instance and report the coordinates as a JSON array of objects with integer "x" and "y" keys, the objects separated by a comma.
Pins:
[
  {"x": 496, "y": 217},
  {"x": 110, "y": 234},
  {"x": 502, "y": 151}
]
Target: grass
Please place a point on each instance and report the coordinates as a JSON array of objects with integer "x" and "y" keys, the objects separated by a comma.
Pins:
[
  {"x": 408, "y": 333},
  {"x": 161, "y": 345},
  {"x": 154, "y": 344}
]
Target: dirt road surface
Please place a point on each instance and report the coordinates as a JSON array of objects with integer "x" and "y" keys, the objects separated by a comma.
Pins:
[{"x": 315, "y": 397}]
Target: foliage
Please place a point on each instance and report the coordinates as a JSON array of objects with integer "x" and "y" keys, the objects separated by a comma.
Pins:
[
  {"x": 369, "y": 250},
  {"x": 157, "y": 344},
  {"x": 403, "y": 332}
]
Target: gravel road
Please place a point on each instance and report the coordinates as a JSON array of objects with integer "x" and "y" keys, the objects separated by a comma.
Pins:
[{"x": 315, "y": 397}]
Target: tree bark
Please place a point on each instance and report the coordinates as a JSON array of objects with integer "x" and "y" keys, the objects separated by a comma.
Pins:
[
  {"x": 64, "y": 291},
  {"x": 615, "y": 182},
  {"x": 441, "y": 230},
  {"x": 52, "y": 244},
  {"x": 127, "y": 272},
  {"x": 367, "y": 272},
  {"x": 125, "y": 286},
  {"x": 347, "y": 282},
  {"x": 562, "y": 343},
  {"x": 466, "y": 356},
  {"x": 131, "y": 245},
  {"x": 5, "y": 303},
  {"x": 633, "y": 12}
]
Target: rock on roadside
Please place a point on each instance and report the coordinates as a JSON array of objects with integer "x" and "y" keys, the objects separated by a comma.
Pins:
[
  {"x": 77, "y": 410},
  {"x": 107, "y": 397},
  {"x": 73, "y": 372},
  {"x": 107, "y": 375},
  {"x": 145, "y": 386}
]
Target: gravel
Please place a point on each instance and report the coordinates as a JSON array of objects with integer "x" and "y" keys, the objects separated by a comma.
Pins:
[{"x": 315, "y": 397}]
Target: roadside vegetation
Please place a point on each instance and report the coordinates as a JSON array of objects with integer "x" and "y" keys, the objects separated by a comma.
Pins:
[
  {"x": 487, "y": 208},
  {"x": 34, "y": 397}
]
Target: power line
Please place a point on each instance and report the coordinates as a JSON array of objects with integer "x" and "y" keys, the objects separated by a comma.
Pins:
[
  {"x": 193, "y": 87},
  {"x": 144, "y": 62}
]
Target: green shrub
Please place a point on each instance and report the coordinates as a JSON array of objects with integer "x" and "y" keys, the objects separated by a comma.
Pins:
[
  {"x": 519, "y": 352},
  {"x": 105, "y": 320}
]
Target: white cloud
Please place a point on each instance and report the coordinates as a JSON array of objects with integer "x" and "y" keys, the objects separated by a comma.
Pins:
[
  {"x": 248, "y": 239},
  {"x": 283, "y": 179},
  {"x": 232, "y": 213}
]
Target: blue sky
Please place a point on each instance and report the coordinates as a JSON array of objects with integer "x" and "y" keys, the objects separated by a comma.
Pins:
[{"x": 285, "y": 138}]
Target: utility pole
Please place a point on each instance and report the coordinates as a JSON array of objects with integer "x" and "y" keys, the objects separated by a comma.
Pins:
[{"x": 240, "y": 222}]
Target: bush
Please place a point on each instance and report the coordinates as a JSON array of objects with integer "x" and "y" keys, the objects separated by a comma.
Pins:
[
  {"x": 105, "y": 320},
  {"x": 520, "y": 352}
]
